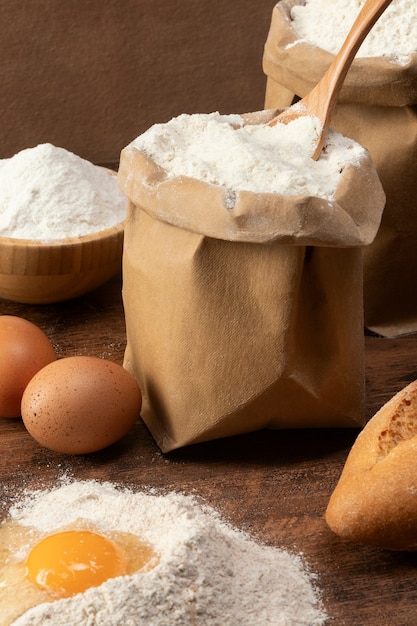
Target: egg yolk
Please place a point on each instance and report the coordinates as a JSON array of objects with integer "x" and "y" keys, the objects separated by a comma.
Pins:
[{"x": 70, "y": 562}]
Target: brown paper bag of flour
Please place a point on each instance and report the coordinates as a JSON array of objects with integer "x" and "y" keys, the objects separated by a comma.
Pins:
[
  {"x": 377, "y": 107},
  {"x": 244, "y": 318}
]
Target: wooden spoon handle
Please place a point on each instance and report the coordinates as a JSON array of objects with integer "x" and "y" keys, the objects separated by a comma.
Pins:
[
  {"x": 320, "y": 101},
  {"x": 329, "y": 87}
]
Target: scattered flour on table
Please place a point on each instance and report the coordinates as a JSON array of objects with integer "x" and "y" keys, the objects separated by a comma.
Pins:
[
  {"x": 48, "y": 193},
  {"x": 222, "y": 150},
  {"x": 326, "y": 23},
  {"x": 209, "y": 573}
]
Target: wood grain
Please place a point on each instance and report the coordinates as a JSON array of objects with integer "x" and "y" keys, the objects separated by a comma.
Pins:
[
  {"x": 58, "y": 270},
  {"x": 274, "y": 484}
]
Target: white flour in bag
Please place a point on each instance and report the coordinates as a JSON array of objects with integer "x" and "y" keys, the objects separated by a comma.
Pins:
[
  {"x": 48, "y": 193},
  {"x": 326, "y": 23},
  {"x": 221, "y": 150},
  {"x": 209, "y": 574}
]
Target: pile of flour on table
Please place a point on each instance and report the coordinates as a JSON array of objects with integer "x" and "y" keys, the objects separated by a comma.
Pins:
[
  {"x": 222, "y": 150},
  {"x": 48, "y": 193},
  {"x": 209, "y": 574},
  {"x": 326, "y": 23}
]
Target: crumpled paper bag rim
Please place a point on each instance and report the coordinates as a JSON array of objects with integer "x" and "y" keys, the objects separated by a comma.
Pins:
[
  {"x": 351, "y": 219},
  {"x": 370, "y": 80}
]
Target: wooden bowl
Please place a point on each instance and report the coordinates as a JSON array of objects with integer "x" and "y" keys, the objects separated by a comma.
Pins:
[{"x": 36, "y": 272}]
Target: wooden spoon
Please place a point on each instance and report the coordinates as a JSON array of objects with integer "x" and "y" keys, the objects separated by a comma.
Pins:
[{"x": 322, "y": 98}]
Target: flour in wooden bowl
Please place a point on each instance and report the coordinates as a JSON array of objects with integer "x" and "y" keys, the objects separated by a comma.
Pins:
[
  {"x": 47, "y": 193},
  {"x": 208, "y": 573}
]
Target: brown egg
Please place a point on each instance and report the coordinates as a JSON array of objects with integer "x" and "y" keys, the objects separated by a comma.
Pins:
[
  {"x": 24, "y": 350},
  {"x": 80, "y": 404}
]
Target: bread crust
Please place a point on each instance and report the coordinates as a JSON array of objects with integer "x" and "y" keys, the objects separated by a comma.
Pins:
[{"x": 375, "y": 500}]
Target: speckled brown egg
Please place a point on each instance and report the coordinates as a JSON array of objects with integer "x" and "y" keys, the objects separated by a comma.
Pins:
[
  {"x": 24, "y": 350},
  {"x": 80, "y": 404}
]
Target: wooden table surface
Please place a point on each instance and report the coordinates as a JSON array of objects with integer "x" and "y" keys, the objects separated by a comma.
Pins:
[{"x": 275, "y": 484}]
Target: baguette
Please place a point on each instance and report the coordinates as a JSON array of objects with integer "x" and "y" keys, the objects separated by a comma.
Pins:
[{"x": 375, "y": 500}]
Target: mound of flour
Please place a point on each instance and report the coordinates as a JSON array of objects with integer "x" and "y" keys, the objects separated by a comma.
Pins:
[
  {"x": 48, "y": 193},
  {"x": 209, "y": 574},
  {"x": 221, "y": 150},
  {"x": 326, "y": 23}
]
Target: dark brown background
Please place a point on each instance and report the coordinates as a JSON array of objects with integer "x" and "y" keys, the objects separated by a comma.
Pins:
[{"x": 91, "y": 75}]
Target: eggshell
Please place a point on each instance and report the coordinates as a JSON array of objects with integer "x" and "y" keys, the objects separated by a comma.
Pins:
[
  {"x": 24, "y": 350},
  {"x": 80, "y": 404}
]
